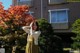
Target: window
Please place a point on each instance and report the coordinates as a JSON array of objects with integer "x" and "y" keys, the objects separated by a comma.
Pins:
[
  {"x": 23, "y": 0},
  {"x": 56, "y": 1},
  {"x": 73, "y": 0},
  {"x": 31, "y": 13},
  {"x": 58, "y": 16}
]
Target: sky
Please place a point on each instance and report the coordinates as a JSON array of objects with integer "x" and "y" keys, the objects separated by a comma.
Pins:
[{"x": 6, "y": 3}]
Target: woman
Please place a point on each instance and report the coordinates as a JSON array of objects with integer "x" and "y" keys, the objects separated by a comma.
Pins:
[{"x": 31, "y": 47}]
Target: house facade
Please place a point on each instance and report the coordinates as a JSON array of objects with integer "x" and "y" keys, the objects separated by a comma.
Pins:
[{"x": 60, "y": 13}]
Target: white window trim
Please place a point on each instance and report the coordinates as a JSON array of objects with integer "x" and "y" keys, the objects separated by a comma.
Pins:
[{"x": 58, "y": 10}]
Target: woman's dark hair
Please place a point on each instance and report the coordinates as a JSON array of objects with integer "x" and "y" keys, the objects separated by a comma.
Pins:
[{"x": 37, "y": 26}]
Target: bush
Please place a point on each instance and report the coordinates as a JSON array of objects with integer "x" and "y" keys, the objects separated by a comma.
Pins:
[
  {"x": 76, "y": 30},
  {"x": 48, "y": 42}
]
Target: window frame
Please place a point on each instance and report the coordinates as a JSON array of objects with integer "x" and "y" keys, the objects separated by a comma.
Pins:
[
  {"x": 23, "y": 1},
  {"x": 58, "y": 2},
  {"x": 58, "y": 10},
  {"x": 31, "y": 13}
]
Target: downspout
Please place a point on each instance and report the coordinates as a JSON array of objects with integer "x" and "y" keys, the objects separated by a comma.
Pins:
[
  {"x": 41, "y": 8},
  {"x": 17, "y": 2}
]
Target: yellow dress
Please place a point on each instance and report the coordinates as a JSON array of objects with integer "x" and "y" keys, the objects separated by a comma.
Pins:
[{"x": 31, "y": 47}]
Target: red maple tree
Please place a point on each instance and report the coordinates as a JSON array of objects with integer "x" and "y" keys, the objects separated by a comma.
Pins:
[{"x": 17, "y": 14}]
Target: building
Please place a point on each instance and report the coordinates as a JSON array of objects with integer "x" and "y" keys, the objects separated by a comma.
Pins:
[{"x": 60, "y": 13}]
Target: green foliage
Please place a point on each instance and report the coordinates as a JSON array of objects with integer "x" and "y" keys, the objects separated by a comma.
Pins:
[
  {"x": 76, "y": 26},
  {"x": 12, "y": 36},
  {"x": 76, "y": 30},
  {"x": 15, "y": 36},
  {"x": 48, "y": 42}
]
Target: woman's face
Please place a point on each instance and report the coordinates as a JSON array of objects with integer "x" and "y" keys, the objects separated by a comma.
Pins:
[{"x": 34, "y": 26}]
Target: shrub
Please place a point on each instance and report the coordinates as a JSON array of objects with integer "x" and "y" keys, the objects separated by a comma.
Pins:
[
  {"x": 48, "y": 42},
  {"x": 76, "y": 30}
]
